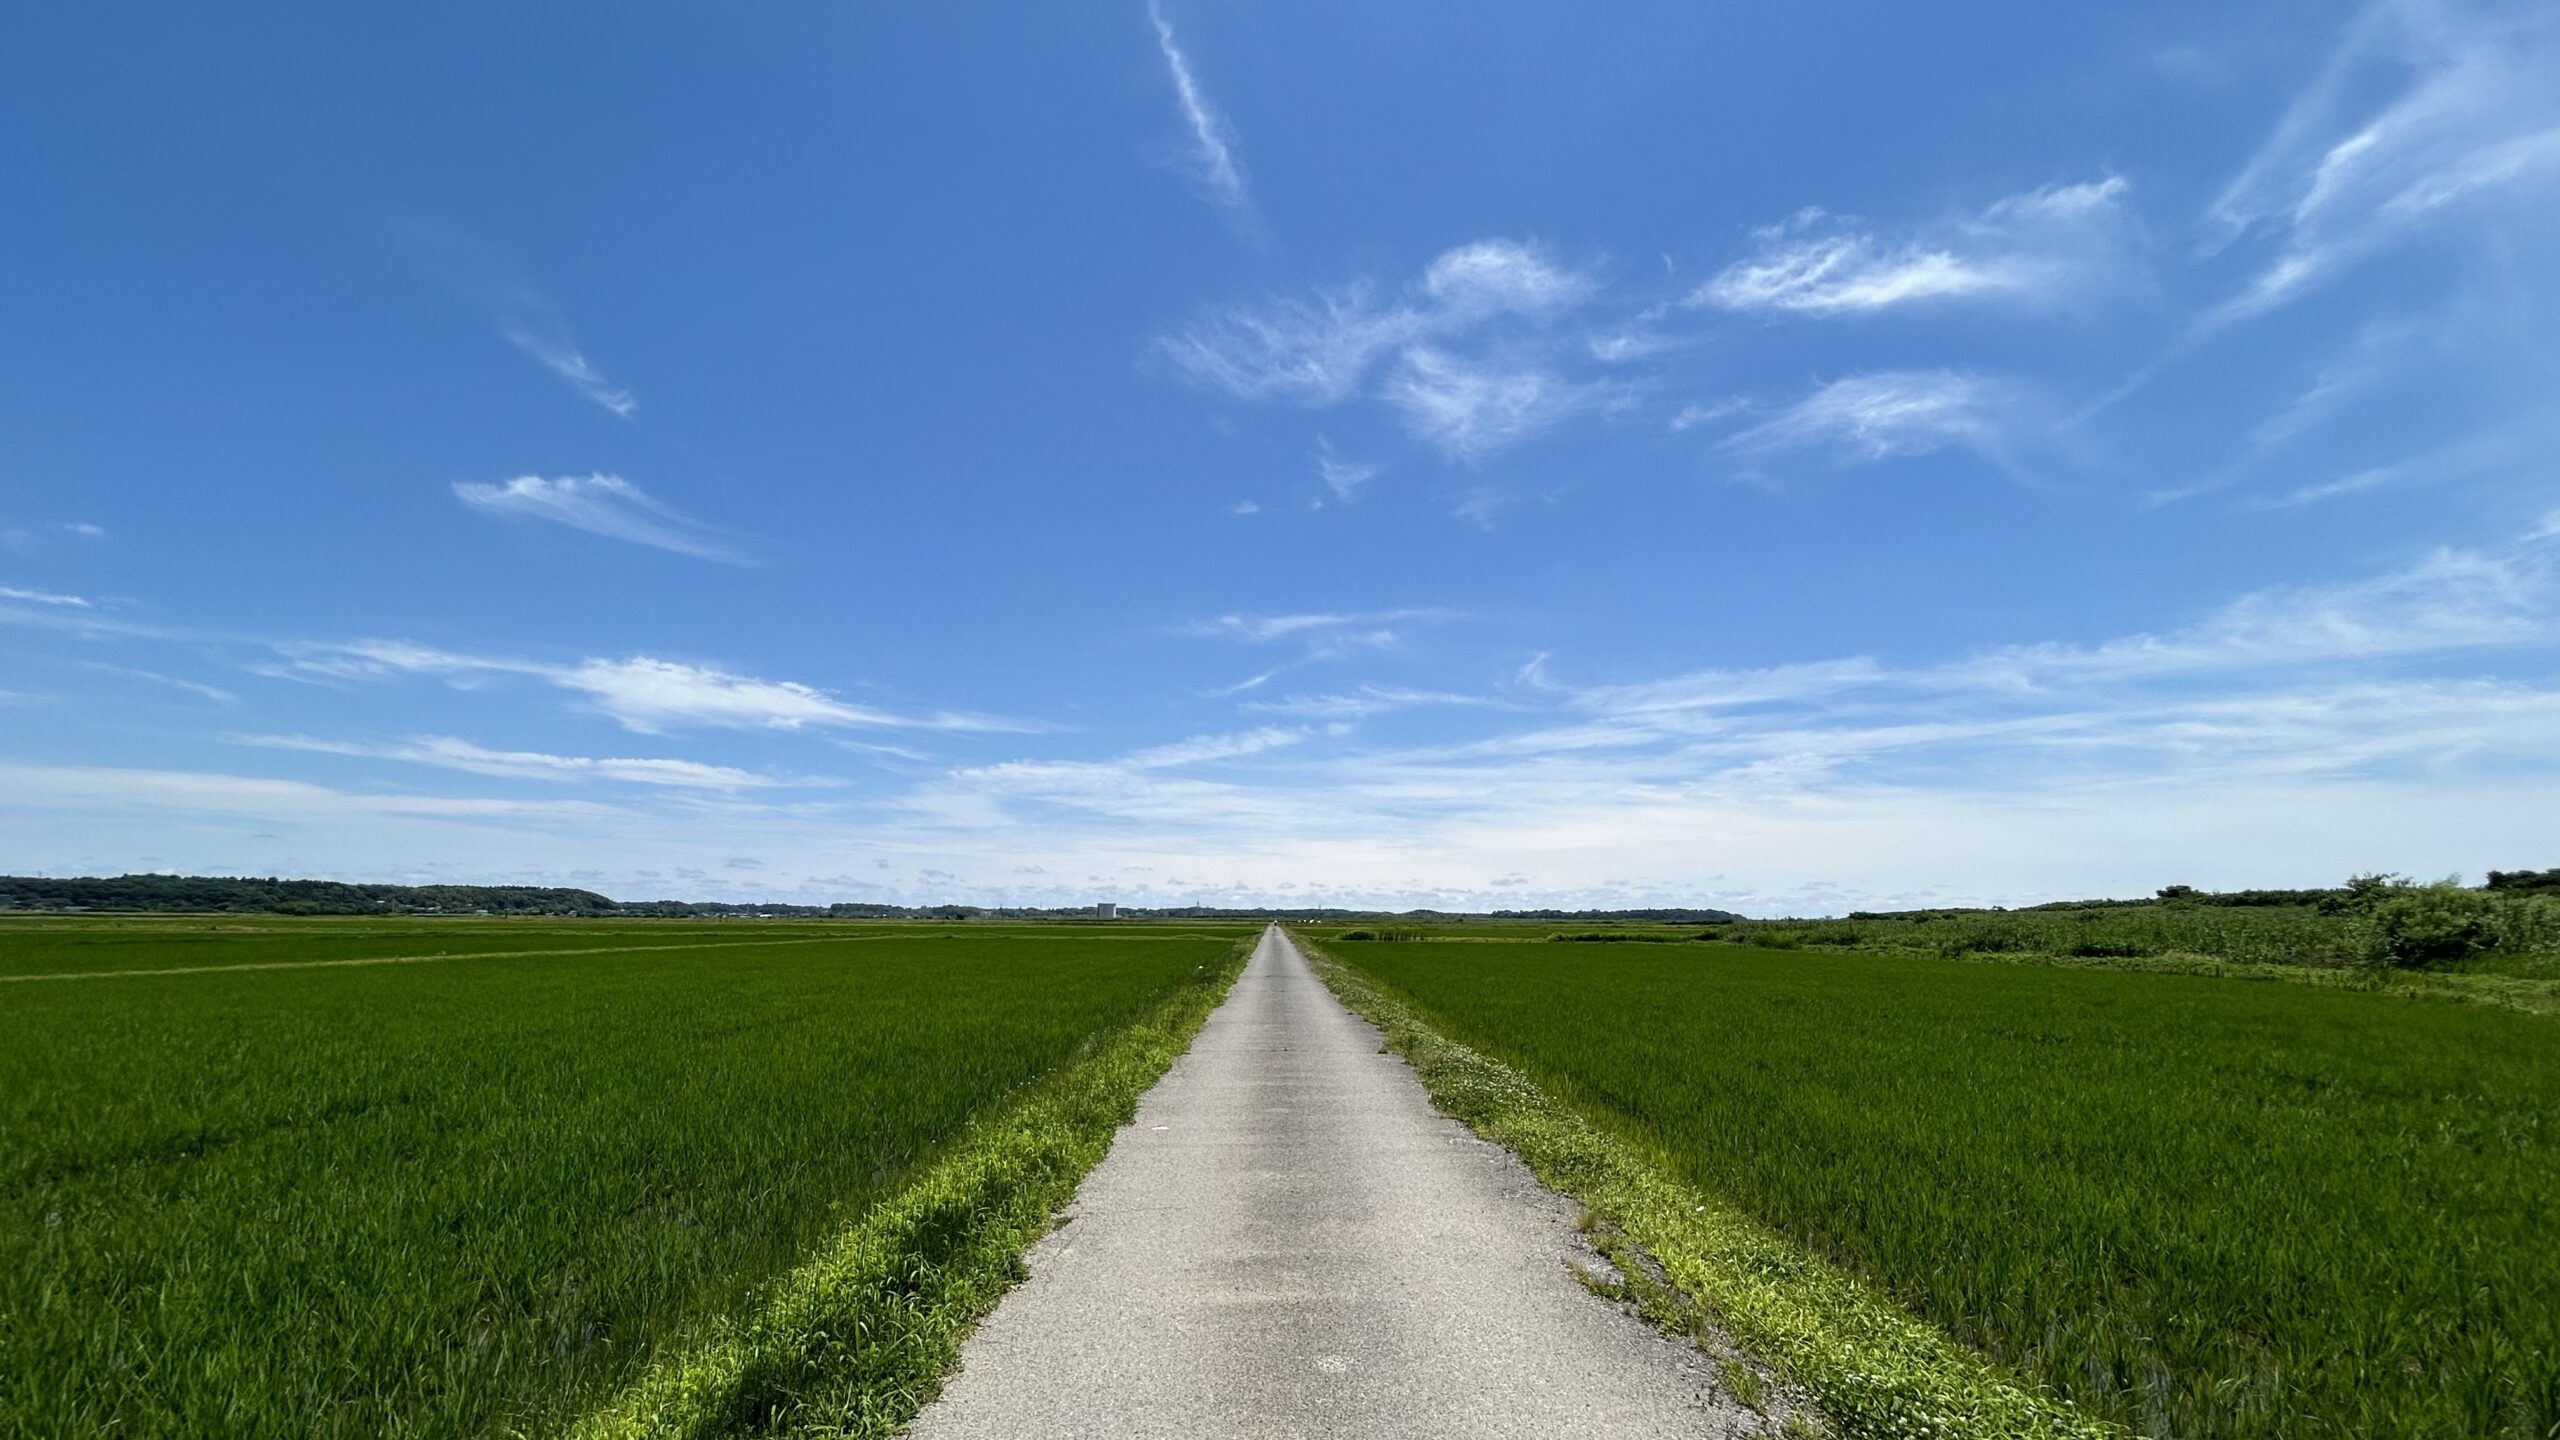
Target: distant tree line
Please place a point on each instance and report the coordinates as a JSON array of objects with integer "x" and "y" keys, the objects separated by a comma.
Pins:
[
  {"x": 220, "y": 894},
  {"x": 2356, "y": 894},
  {"x": 271, "y": 895},
  {"x": 292, "y": 897}
]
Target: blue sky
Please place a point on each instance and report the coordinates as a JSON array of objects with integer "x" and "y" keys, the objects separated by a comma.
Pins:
[{"x": 1779, "y": 457}]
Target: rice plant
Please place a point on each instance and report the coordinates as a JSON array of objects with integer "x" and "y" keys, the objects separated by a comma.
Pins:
[
  {"x": 472, "y": 1196},
  {"x": 2192, "y": 1206}
]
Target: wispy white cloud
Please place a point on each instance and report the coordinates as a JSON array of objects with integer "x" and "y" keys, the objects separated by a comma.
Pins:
[
  {"x": 1157, "y": 784},
  {"x": 1707, "y": 412},
  {"x": 652, "y": 695},
  {"x": 2376, "y": 351},
  {"x": 1213, "y": 147},
  {"x": 1713, "y": 690},
  {"x": 1245, "y": 508},
  {"x": 1888, "y": 413},
  {"x": 2042, "y": 246},
  {"x": 541, "y": 335},
  {"x": 2288, "y": 735},
  {"x": 1254, "y": 681},
  {"x": 1468, "y": 408},
  {"x": 2421, "y": 110},
  {"x": 2201, "y": 747},
  {"x": 1317, "y": 351},
  {"x": 602, "y": 505},
  {"x": 30, "y": 537},
  {"x": 1481, "y": 506},
  {"x": 2443, "y": 604},
  {"x": 2348, "y": 387},
  {"x": 1632, "y": 343},
  {"x": 1503, "y": 277},
  {"x": 196, "y": 688},
  {"x": 1319, "y": 636},
  {"x": 491, "y": 280},
  {"x": 1342, "y": 476},
  {"x": 2449, "y": 600},
  {"x": 450, "y": 753},
  {"x": 1363, "y": 701},
  {"x": 2356, "y": 482},
  {"x": 2496, "y": 451},
  {"x": 1831, "y": 274},
  {"x": 1202, "y": 749},
  {"x": 1263, "y": 628},
  {"x": 1469, "y": 353},
  {"x": 2265, "y": 668},
  {"x": 642, "y": 693},
  {"x": 56, "y": 789},
  {"x": 43, "y": 597}
]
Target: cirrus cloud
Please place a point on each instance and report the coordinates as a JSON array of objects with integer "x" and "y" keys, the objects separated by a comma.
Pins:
[
  {"x": 2043, "y": 246},
  {"x": 1887, "y": 413},
  {"x": 642, "y": 693},
  {"x": 1469, "y": 354},
  {"x": 450, "y": 753},
  {"x": 600, "y": 504}
]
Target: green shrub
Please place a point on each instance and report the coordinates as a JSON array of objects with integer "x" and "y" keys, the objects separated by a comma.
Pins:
[{"x": 2416, "y": 927}]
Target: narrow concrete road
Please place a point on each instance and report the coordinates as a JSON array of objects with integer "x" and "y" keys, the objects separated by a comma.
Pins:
[{"x": 1289, "y": 1241}]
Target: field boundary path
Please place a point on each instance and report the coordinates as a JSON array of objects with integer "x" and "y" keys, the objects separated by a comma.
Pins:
[{"x": 1289, "y": 1241}]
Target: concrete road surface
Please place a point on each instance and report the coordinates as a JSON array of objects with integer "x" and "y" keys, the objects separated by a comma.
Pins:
[{"x": 1289, "y": 1241}]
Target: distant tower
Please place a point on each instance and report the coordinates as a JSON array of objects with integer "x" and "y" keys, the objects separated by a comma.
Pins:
[{"x": 1105, "y": 910}]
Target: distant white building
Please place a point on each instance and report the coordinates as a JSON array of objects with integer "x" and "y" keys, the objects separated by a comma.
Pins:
[{"x": 1105, "y": 910}]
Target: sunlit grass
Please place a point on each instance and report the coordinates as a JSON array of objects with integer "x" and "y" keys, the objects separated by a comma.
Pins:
[
  {"x": 2192, "y": 1206},
  {"x": 454, "y": 1197}
]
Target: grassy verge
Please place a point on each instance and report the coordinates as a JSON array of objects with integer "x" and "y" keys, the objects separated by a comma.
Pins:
[
  {"x": 1871, "y": 1369},
  {"x": 856, "y": 1341}
]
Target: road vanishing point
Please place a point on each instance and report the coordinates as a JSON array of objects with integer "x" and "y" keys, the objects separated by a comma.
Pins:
[{"x": 1289, "y": 1241}]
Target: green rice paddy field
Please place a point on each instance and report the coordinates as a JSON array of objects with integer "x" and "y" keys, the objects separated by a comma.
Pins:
[
  {"x": 275, "y": 1193},
  {"x": 2194, "y": 1206}
]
